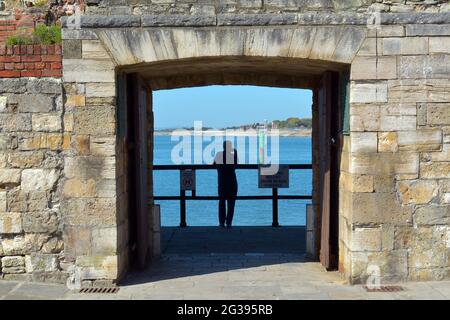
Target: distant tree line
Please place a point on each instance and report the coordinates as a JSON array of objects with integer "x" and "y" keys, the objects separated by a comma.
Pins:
[{"x": 293, "y": 123}]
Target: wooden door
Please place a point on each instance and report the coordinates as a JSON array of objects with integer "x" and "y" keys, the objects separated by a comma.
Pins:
[
  {"x": 139, "y": 102},
  {"x": 328, "y": 111}
]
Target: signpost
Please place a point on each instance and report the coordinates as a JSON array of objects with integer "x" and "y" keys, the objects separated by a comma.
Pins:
[
  {"x": 268, "y": 178},
  {"x": 187, "y": 182}
]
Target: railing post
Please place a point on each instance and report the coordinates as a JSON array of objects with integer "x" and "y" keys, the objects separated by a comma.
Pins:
[
  {"x": 275, "y": 207},
  {"x": 183, "y": 208}
]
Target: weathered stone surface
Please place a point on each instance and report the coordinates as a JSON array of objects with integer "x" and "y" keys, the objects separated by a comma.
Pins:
[
  {"x": 90, "y": 167},
  {"x": 178, "y": 20},
  {"x": 370, "y": 68},
  {"x": 256, "y": 19},
  {"x": 403, "y": 46},
  {"x": 418, "y": 192},
  {"x": 8, "y": 270},
  {"x": 84, "y": 70},
  {"x": 356, "y": 183},
  {"x": 413, "y": 30},
  {"x": 100, "y": 90},
  {"x": 41, "y": 263},
  {"x": 435, "y": 170},
  {"x": 368, "y": 92},
  {"x": 438, "y": 113},
  {"x": 10, "y": 222},
  {"x": 101, "y": 21},
  {"x": 95, "y": 120},
  {"x": 425, "y": 66},
  {"x": 397, "y": 123},
  {"x": 41, "y": 222},
  {"x": 392, "y": 265},
  {"x": 102, "y": 146},
  {"x": 76, "y": 188},
  {"x": 387, "y": 142},
  {"x": 13, "y": 261},
  {"x": 9, "y": 176},
  {"x": 25, "y": 159},
  {"x": 363, "y": 142},
  {"x": 78, "y": 34},
  {"x": 35, "y": 102},
  {"x": 419, "y": 140},
  {"x": 47, "y": 122},
  {"x": 384, "y": 163},
  {"x": 39, "y": 179},
  {"x": 15, "y": 122},
  {"x": 432, "y": 215},
  {"x": 366, "y": 239},
  {"x": 439, "y": 45},
  {"x": 104, "y": 241},
  {"x": 71, "y": 48},
  {"x": 364, "y": 117},
  {"x": 98, "y": 267}
]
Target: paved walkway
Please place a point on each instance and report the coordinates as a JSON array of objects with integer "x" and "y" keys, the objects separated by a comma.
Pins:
[{"x": 191, "y": 272}]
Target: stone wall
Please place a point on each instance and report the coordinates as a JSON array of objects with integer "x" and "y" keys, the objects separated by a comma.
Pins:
[
  {"x": 32, "y": 146},
  {"x": 212, "y": 7}
]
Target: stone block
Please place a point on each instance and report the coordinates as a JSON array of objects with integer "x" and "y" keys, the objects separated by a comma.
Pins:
[
  {"x": 368, "y": 92},
  {"x": 46, "y": 122},
  {"x": 78, "y": 188},
  {"x": 356, "y": 183},
  {"x": 366, "y": 239},
  {"x": 398, "y": 123},
  {"x": 174, "y": 20},
  {"x": 3, "y": 101},
  {"x": 13, "y": 261},
  {"x": 44, "y": 86},
  {"x": 374, "y": 68},
  {"x": 418, "y": 191},
  {"x": 363, "y": 142},
  {"x": 384, "y": 163},
  {"x": 424, "y": 66},
  {"x": 34, "y": 103},
  {"x": 364, "y": 117},
  {"x": 440, "y": 45},
  {"x": 77, "y": 241},
  {"x": 414, "y": 30},
  {"x": 93, "y": 49},
  {"x": 435, "y": 170},
  {"x": 256, "y": 19},
  {"x": 432, "y": 215},
  {"x": 104, "y": 241},
  {"x": 443, "y": 155},
  {"x": 98, "y": 120},
  {"x": 387, "y": 142},
  {"x": 88, "y": 70},
  {"x": 25, "y": 159},
  {"x": 10, "y": 222},
  {"x": 438, "y": 113},
  {"x": 100, "y": 90},
  {"x": 370, "y": 47},
  {"x": 10, "y": 176},
  {"x": 420, "y": 140},
  {"x": 391, "y": 265},
  {"x": 41, "y": 263},
  {"x": 13, "y": 270},
  {"x": 80, "y": 144},
  {"x": 88, "y": 167},
  {"x": 39, "y": 179},
  {"x": 98, "y": 267},
  {"x": 405, "y": 46},
  {"x": 15, "y": 122},
  {"x": 41, "y": 222},
  {"x": 379, "y": 208},
  {"x": 2, "y": 201},
  {"x": 103, "y": 146},
  {"x": 76, "y": 101}
]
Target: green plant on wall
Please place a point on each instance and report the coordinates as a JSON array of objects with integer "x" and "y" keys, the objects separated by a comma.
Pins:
[
  {"x": 47, "y": 34},
  {"x": 41, "y": 35}
]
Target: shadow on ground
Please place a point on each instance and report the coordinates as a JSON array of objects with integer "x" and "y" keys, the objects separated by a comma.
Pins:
[{"x": 195, "y": 251}]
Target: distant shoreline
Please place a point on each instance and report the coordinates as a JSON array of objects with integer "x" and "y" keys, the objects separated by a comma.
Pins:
[{"x": 282, "y": 132}]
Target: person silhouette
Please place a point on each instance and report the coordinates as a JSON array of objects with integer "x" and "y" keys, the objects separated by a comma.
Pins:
[{"x": 226, "y": 162}]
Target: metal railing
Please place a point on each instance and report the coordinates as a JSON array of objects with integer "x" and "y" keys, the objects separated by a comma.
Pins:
[{"x": 275, "y": 197}]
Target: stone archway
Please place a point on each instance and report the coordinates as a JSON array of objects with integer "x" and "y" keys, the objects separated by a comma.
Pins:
[{"x": 379, "y": 160}]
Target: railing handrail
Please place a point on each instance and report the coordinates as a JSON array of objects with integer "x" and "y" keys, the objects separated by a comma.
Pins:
[{"x": 294, "y": 166}]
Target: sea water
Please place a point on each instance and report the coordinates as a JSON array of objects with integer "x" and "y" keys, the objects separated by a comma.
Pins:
[{"x": 292, "y": 150}]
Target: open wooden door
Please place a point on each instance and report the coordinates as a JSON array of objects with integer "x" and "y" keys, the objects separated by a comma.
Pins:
[
  {"x": 328, "y": 112},
  {"x": 138, "y": 104}
]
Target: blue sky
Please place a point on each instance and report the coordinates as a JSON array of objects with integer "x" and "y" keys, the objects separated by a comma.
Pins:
[{"x": 223, "y": 106}]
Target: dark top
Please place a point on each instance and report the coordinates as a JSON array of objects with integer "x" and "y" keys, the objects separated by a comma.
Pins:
[{"x": 227, "y": 181}]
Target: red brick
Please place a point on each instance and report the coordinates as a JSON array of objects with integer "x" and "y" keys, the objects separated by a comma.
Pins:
[
  {"x": 51, "y": 58},
  {"x": 51, "y": 73},
  {"x": 23, "y": 49},
  {"x": 9, "y": 50},
  {"x": 51, "y": 49},
  {"x": 37, "y": 49},
  {"x": 58, "y": 50},
  {"x": 2, "y": 50},
  {"x": 18, "y": 66},
  {"x": 29, "y": 65},
  {"x": 43, "y": 49},
  {"x": 39, "y": 65},
  {"x": 10, "y": 74},
  {"x": 30, "y": 49},
  {"x": 34, "y": 58},
  {"x": 48, "y": 66},
  {"x": 9, "y": 59},
  {"x": 30, "y": 73},
  {"x": 56, "y": 65},
  {"x": 2, "y": 66},
  {"x": 16, "y": 49},
  {"x": 9, "y": 66}
]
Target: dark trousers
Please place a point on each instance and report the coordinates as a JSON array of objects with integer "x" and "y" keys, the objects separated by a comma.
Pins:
[{"x": 226, "y": 215}]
